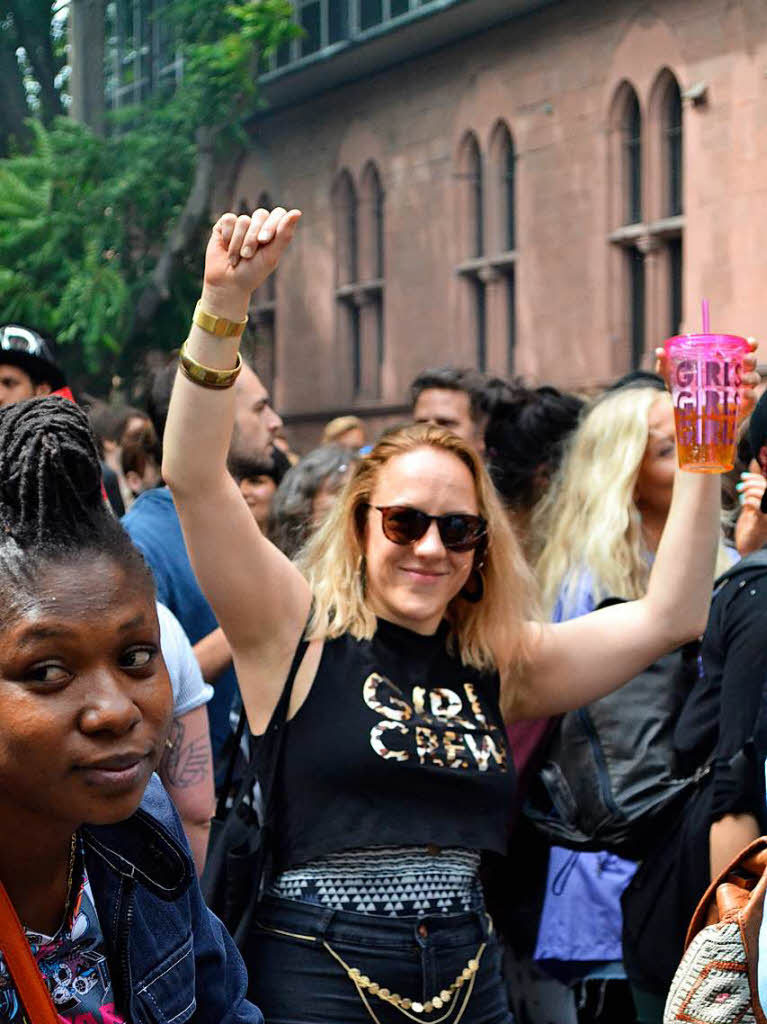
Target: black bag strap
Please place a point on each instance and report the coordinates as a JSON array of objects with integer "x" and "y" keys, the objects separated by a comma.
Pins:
[
  {"x": 229, "y": 776},
  {"x": 260, "y": 757},
  {"x": 265, "y": 767},
  {"x": 268, "y": 752}
]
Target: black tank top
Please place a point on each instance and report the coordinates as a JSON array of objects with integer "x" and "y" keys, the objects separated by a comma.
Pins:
[{"x": 397, "y": 744}]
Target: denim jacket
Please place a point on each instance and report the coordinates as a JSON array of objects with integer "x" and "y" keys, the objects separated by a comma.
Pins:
[{"x": 170, "y": 958}]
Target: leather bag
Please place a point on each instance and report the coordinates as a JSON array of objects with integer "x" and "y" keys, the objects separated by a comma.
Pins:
[
  {"x": 717, "y": 980},
  {"x": 239, "y": 847},
  {"x": 18, "y": 958},
  {"x": 608, "y": 777}
]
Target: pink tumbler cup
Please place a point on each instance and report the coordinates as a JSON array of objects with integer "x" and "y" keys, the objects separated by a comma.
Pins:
[{"x": 705, "y": 372}]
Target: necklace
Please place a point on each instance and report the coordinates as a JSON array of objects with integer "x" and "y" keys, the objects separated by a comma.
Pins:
[
  {"x": 71, "y": 872},
  {"x": 70, "y": 877}
]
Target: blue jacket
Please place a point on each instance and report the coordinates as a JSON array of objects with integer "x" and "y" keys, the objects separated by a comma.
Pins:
[
  {"x": 170, "y": 958},
  {"x": 154, "y": 527}
]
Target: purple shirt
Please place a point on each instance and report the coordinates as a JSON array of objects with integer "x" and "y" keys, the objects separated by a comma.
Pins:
[{"x": 581, "y": 918}]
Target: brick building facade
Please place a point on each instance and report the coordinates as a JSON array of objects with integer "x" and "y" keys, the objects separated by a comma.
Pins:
[{"x": 549, "y": 193}]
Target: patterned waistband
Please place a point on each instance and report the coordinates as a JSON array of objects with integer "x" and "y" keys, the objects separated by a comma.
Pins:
[{"x": 387, "y": 881}]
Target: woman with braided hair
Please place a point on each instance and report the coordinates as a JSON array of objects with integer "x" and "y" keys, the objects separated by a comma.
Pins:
[{"x": 95, "y": 872}]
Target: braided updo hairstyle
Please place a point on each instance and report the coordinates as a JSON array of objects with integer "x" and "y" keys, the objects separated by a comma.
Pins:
[{"x": 51, "y": 501}]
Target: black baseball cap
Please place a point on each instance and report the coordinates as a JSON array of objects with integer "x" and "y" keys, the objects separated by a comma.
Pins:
[{"x": 30, "y": 351}]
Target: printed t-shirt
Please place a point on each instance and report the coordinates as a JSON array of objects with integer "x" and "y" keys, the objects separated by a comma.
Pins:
[
  {"x": 762, "y": 961},
  {"x": 74, "y": 965},
  {"x": 397, "y": 744}
]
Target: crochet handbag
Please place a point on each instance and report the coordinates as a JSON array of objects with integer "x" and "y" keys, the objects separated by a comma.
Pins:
[{"x": 716, "y": 982}]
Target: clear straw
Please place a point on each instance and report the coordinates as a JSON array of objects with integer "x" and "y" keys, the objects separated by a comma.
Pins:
[{"x": 706, "y": 317}]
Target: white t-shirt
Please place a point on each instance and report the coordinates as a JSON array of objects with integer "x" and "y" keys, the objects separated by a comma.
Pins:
[{"x": 190, "y": 690}]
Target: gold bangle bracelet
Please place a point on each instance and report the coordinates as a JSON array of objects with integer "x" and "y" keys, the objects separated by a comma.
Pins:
[
  {"x": 206, "y": 376},
  {"x": 217, "y": 325}
]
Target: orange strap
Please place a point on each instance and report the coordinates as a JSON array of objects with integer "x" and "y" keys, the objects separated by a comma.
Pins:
[{"x": 27, "y": 978}]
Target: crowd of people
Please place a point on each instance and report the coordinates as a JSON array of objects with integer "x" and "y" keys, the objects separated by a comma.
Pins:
[{"x": 440, "y": 598}]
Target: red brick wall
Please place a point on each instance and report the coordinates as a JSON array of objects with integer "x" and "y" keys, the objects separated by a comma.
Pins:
[{"x": 552, "y": 77}]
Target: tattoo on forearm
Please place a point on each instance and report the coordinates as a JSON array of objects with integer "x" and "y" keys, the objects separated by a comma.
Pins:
[{"x": 187, "y": 764}]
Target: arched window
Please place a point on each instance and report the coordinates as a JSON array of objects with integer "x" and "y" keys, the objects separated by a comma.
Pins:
[
  {"x": 372, "y": 201},
  {"x": 501, "y": 246},
  {"x": 472, "y": 205},
  {"x": 475, "y": 194},
  {"x": 666, "y": 227},
  {"x": 346, "y": 211},
  {"x": 632, "y": 159},
  {"x": 628, "y": 294},
  {"x": 505, "y": 166},
  {"x": 672, "y": 132},
  {"x": 371, "y": 295},
  {"x": 647, "y": 218},
  {"x": 345, "y": 208}
]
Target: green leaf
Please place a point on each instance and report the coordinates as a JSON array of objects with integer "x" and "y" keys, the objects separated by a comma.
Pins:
[{"x": 83, "y": 218}]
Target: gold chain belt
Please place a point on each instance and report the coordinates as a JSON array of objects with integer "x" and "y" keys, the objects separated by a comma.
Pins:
[{"x": 446, "y": 998}]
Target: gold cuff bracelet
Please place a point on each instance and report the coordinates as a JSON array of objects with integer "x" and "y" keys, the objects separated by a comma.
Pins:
[
  {"x": 206, "y": 376},
  {"x": 218, "y": 325}
]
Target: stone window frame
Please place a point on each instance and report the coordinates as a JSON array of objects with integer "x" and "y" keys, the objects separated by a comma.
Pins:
[
  {"x": 631, "y": 150},
  {"x": 370, "y": 291},
  {"x": 502, "y": 230},
  {"x": 646, "y": 255},
  {"x": 487, "y": 206},
  {"x": 627, "y": 203},
  {"x": 667, "y": 260},
  {"x": 473, "y": 270},
  {"x": 359, "y": 275}
]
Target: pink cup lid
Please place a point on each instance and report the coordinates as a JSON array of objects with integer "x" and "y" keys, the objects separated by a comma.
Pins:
[{"x": 732, "y": 343}]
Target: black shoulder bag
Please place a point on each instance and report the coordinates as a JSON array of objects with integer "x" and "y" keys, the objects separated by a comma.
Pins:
[{"x": 240, "y": 837}]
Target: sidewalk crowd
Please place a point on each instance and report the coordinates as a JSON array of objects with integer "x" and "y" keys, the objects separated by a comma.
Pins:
[{"x": 457, "y": 723}]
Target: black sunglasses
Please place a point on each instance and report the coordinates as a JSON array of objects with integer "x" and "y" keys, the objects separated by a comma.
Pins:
[{"x": 458, "y": 531}]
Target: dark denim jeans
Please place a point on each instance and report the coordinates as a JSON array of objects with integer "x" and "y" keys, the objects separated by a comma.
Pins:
[{"x": 294, "y": 978}]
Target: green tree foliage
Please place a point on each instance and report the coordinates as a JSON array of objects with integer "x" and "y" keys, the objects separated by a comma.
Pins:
[
  {"x": 87, "y": 223},
  {"x": 224, "y": 44},
  {"x": 81, "y": 219},
  {"x": 28, "y": 27}
]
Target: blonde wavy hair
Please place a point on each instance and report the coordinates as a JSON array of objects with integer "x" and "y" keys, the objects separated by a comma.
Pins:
[
  {"x": 588, "y": 521},
  {"x": 485, "y": 635}
]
